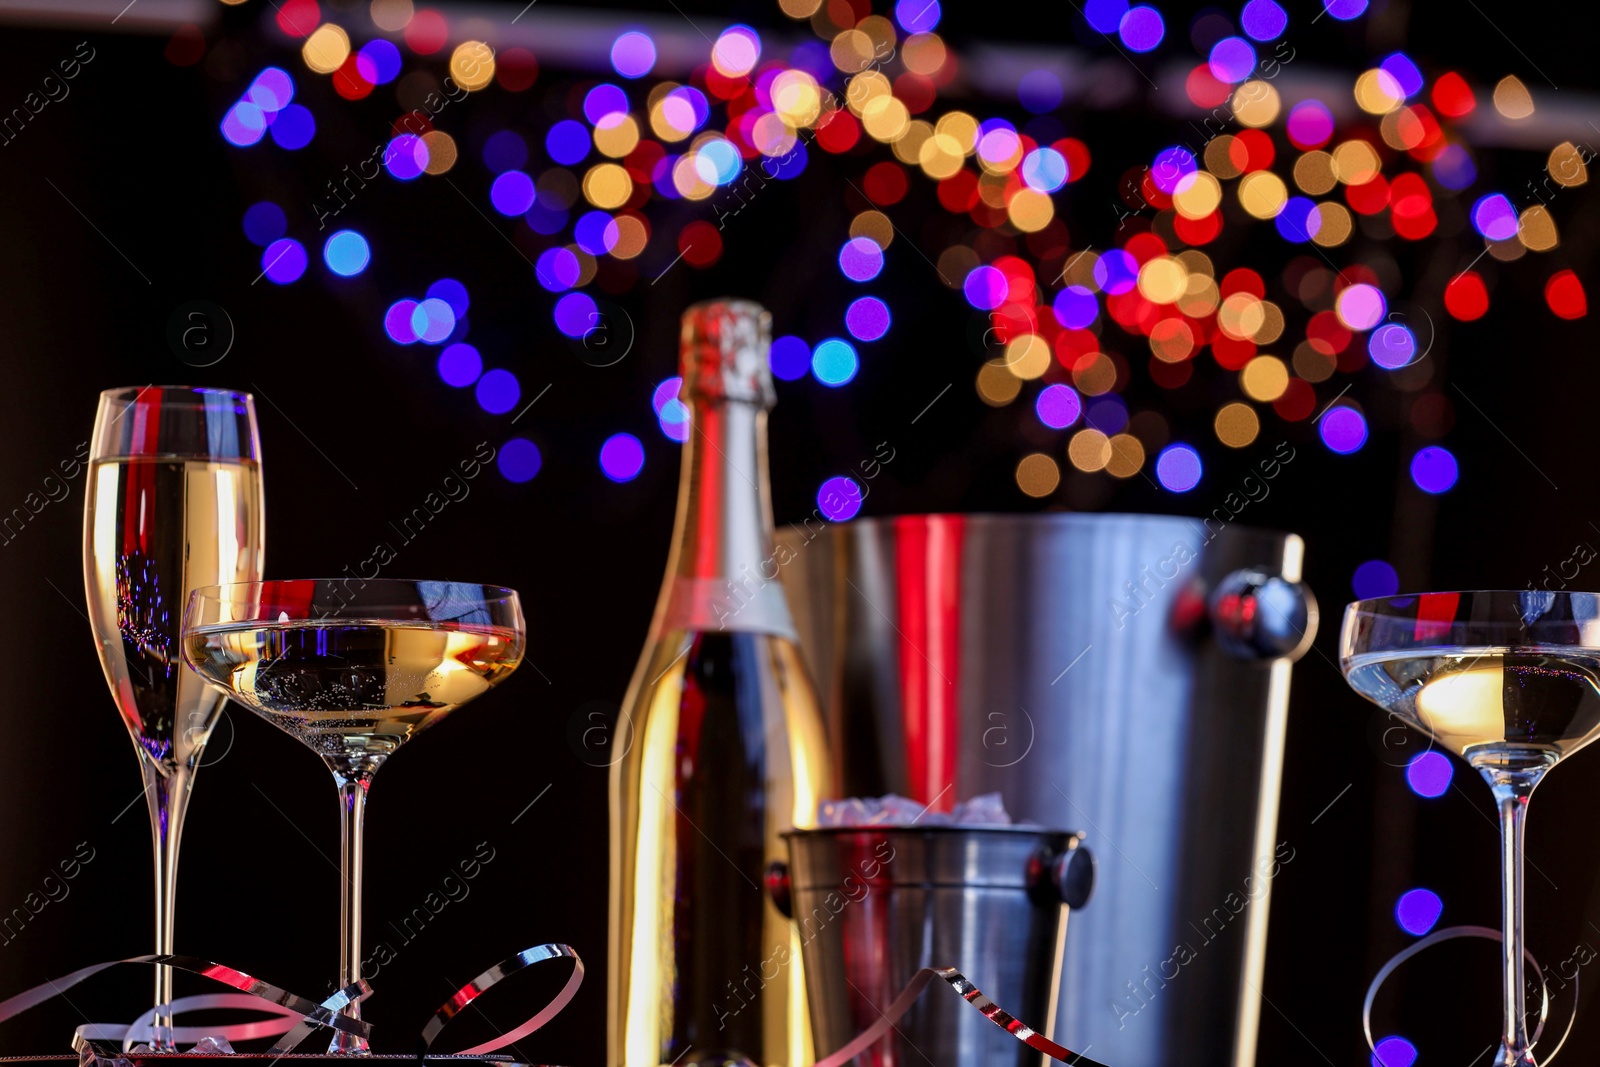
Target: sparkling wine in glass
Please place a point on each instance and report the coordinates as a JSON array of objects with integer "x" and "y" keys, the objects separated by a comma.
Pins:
[
  {"x": 1508, "y": 681},
  {"x": 173, "y": 502},
  {"x": 353, "y": 669}
]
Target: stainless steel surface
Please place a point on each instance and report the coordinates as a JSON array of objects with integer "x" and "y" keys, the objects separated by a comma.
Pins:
[
  {"x": 872, "y": 906},
  {"x": 1076, "y": 664}
]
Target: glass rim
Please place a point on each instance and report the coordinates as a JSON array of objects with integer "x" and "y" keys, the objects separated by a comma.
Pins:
[
  {"x": 1374, "y": 604},
  {"x": 229, "y": 590},
  {"x": 127, "y": 393}
]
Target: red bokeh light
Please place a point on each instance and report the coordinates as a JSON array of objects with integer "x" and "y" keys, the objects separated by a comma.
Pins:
[
  {"x": 1564, "y": 293},
  {"x": 1465, "y": 297}
]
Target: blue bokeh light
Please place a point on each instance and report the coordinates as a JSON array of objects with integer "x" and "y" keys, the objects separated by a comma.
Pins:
[
  {"x": 512, "y": 192},
  {"x": 1141, "y": 29},
  {"x": 576, "y": 314},
  {"x": 293, "y": 128},
  {"x": 622, "y": 457},
  {"x": 917, "y": 16},
  {"x": 505, "y": 150},
  {"x": 1076, "y": 307},
  {"x": 460, "y": 365},
  {"x": 283, "y": 261},
  {"x": 519, "y": 460},
  {"x": 1343, "y": 429},
  {"x": 498, "y": 391},
  {"x": 834, "y": 362},
  {"x": 567, "y": 142},
  {"x": 432, "y": 320},
  {"x": 264, "y": 222},
  {"x": 1434, "y": 469},
  {"x": 1105, "y": 16},
  {"x": 453, "y": 293},
  {"x": 789, "y": 358},
  {"x": 378, "y": 61},
  {"x": 1263, "y": 20},
  {"x": 1374, "y": 578},
  {"x": 1178, "y": 468},
  {"x": 867, "y": 318},
  {"x": 346, "y": 253},
  {"x": 839, "y": 498},
  {"x": 1429, "y": 774},
  {"x": 1393, "y": 1051},
  {"x": 1418, "y": 910}
]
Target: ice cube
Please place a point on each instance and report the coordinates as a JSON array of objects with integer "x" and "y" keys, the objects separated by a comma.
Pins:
[
  {"x": 212, "y": 1046},
  {"x": 989, "y": 809}
]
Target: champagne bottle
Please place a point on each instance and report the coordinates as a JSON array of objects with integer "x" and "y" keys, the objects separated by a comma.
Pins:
[{"x": 724, "y": 747}]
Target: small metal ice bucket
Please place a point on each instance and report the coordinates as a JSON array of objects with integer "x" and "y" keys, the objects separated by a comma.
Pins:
[{"x": 873, "y": 905}]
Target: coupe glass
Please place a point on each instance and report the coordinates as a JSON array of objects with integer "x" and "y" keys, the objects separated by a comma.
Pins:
[
  {"x": 1510, "y": 682},
  {"x": 173, "y": 502},
  {"x": 353, "y": 669}
]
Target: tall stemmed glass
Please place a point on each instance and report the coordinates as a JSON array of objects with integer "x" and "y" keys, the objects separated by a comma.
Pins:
[
  {"x": 173, "y": 502},
  {"x": 353, "y": 669},
  {"x": 1507, "y": 680}
]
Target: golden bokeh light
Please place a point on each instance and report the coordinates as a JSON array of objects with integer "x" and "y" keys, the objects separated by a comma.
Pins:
[
  {"x": 880, "y": 31},
  {"x": 1080, "y": 270},
  {"x": 1377, "y": 92},
  {"x": 960, "y": 127},
  {"x": 908, "y": 146},
  {"x": 865, "y": 88},
  {"x": 1512, "y": 99},
  {"x": 1038, "y": 475},
  {"x": 1127, "y": 456},
  {"x": 799, "y": 9},
  {"x": 1237, "y": 424},
  {"x": 326, "y": 49},
  {"x": 1264, "y": 378},
  {"x": 1262, "y": 194},
  {"x": 997, "y": 386},
  {"x": 1162, "y": 280},
  {"x": 441, "y": 151},
  {"x": 1196, "y": 262},
  {"x": 1355, "y": 162},
  {"x": 1030, "y": 210},
  {"x": 633, "y": 233},
  {"x": 1219, "y": 157},
  {"x": 1334, "y": 224},
  {"x": 1567, "y": 165},
  {"x": 1256, "y": 104},
  {"x": 796, "y": 97},
  {"x": 616, "y": 135},
  {"x": 472, "y": 65},
  {"x": 885, "y": 118},
  {"x": 874, "y": 226},
  {"x": 1171, "y": 341},
  {"x": 687, "y": 180},
  {"x": 1312, "y": 364},
  {"x": 1094, "y": 373},
  {"x": 1089, "y": 450},
  {"x": 1314, "y": 173},
  {"x": 940, "y": 156},
  {"x": 1027, "y": 356},
  {"x": 851, "y": 52},
  {"x": 923, "y": 53},
  {"x": 391, "y": 16},
  {"x": 1240, "y": 316},
  {"x": 1537, "y": 230},
  {"x": 1271, "y": 327},
  {"x": 772, "y": 136},
  {"x": 607, "y": 186},
  {"x": 1198, "y": 195},
  {"x": 1200, "y": 297}
]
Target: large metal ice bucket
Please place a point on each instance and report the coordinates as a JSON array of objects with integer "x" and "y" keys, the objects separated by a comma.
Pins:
[
  {"x": 873, "y": 905},
  {"x": 1126, "y": 674}
]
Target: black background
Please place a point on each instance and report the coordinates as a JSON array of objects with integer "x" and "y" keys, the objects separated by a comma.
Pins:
[{"x": 122, "y": 202}]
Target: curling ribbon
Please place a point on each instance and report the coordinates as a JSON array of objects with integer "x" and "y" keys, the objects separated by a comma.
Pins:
[
  {"x": 972, "y": 995},
  {"x": 1450, "y": 933},
  {"x": 295, "y": 1017}
]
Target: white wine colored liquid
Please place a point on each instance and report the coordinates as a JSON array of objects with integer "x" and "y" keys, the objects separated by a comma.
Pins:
[
  {"x": 1491, "y": 702},
  {"x": 155, "y": 529},
  {"x": 354, "y": 690}
]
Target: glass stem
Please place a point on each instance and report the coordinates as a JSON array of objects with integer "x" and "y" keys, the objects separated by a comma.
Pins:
[
  {"x": 352, "y": 809},
  {"x": 166, "y": 793},
  {"x": 1511, "y": 792}
]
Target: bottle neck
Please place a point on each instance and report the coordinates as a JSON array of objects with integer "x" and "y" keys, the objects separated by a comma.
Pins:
[{"x": 724, "y": 573}]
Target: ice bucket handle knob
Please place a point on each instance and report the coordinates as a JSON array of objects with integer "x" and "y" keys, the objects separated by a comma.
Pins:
[
  {"x": 1260, "y": 616},
  {"x": 1067, "y": 876},
  {"x": 777, "y": 883}
]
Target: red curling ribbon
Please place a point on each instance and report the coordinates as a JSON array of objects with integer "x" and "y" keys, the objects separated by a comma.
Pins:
[
  {"x": 295, "y": 1017},
  {"x": 972, "y": 995}
]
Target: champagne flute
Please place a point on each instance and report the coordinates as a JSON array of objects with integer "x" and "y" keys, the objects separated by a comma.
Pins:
[
  {"x": 173, "y": 502},
  {"x": 353, "y": 669},
  {"x": 1508, "y": 681}
]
